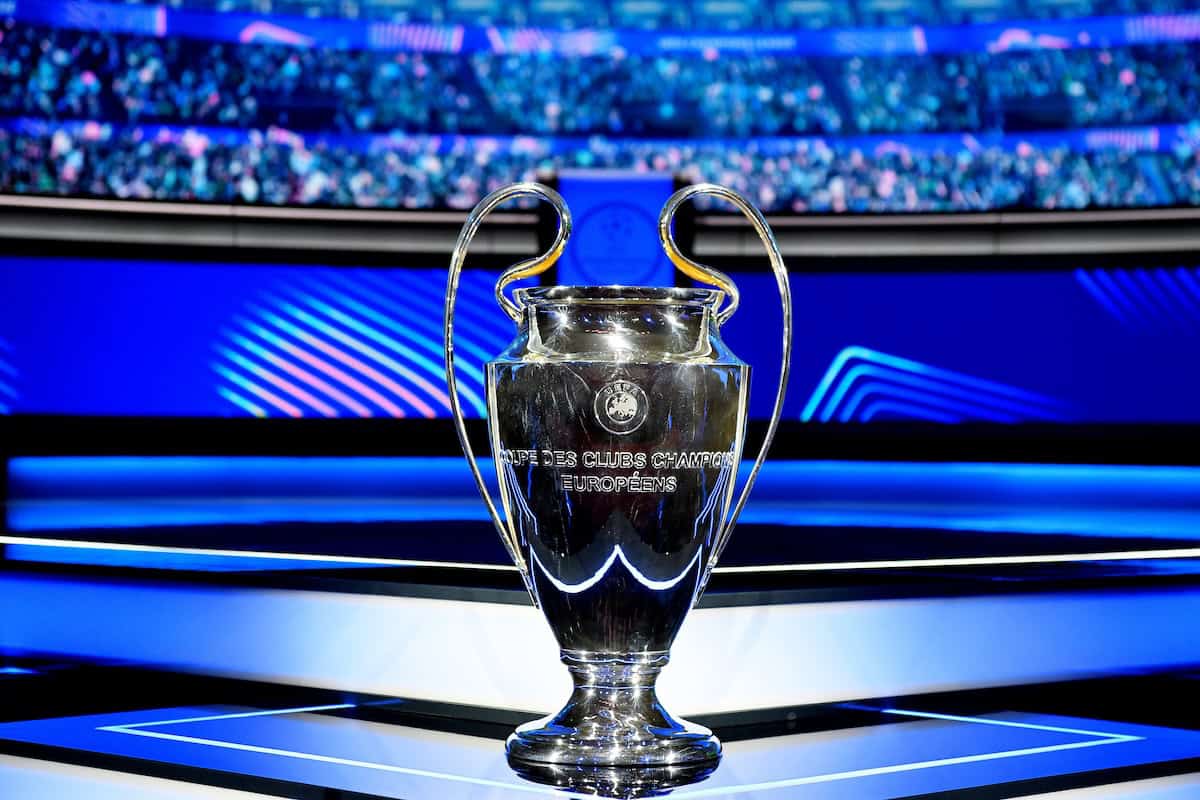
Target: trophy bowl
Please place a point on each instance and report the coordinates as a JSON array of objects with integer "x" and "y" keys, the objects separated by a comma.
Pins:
[{"x": 616, "y": 419}]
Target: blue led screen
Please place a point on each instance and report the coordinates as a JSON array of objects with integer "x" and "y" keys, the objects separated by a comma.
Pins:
[
  {"x": 86, "y": 336},
  {"x": 90, "y": 336},
  {"x": 1082, "y": 346},
  {"x": 615, "y": 235},
  {"x": 1000, "y": 35}
]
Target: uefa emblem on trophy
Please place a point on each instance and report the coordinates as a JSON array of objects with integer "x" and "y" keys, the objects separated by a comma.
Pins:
[{"x": 616, "y": 419}]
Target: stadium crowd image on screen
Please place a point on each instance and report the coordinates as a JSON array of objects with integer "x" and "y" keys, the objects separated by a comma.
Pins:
[
  {"x": 859, "y": 107},
  {"x": 265, "y": 277}
]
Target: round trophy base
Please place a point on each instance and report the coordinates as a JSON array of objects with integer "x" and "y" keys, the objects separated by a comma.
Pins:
[
  {"x": 624, "y": 783},
  {"x": 613, "y": 719}
]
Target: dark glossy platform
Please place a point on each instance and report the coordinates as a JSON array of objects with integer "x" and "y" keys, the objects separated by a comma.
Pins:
[
  {"x": 789, "y": 581},
  {"x": 371, "y": 747},
  {"x": 923, "y": 754}
]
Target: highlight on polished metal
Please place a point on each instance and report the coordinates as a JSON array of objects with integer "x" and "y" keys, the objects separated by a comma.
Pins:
[
  {"x": 616, "y": 419},
  {"x": 623, "y": 782}
]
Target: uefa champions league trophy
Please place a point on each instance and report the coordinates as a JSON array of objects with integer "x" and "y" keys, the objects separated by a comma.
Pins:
[{"x": 616, "y": 418}]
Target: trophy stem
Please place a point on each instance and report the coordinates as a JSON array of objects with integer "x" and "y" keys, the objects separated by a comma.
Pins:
[{"x": 613, "y": 718}]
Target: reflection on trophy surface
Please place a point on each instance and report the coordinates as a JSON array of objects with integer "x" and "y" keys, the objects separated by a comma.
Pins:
[
  {"x": 622, "y": 782},
  {"x": 617, "y": 475},
  {"x": 616, "y": 419}
]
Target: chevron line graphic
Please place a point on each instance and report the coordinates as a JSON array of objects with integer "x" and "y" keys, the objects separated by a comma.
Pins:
[
  {"x": 909, "y": 410},
  {"x": 930, "y": 398},
  {"x": 862, "y": 384},
  {"x": 969, "y": 395}
]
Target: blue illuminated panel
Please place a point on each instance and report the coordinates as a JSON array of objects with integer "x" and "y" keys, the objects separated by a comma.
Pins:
[
  {"x": 82, "y": 336},
  {"x": 1088, "y": 346},
  {"x": 615, "y": 235},
  {"x": 8, "y": 379},
  {"x": 62, "y": 493},
  {"x": 89, "y": 336}
]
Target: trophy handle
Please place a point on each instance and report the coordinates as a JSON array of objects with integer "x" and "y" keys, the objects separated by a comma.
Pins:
[
  {"x": 722, "y": 281},
  {"x": 524, "y": 269}
]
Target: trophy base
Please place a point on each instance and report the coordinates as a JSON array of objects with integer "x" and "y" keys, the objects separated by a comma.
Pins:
[
  {"x": 625, "y": 783},
  {"x": 613, "y": 719}
]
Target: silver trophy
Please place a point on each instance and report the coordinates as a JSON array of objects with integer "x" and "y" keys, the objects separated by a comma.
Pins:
[{"x": 617, "y": 417}]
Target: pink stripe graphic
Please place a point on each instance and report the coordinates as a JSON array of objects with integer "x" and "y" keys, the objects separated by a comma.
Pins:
[
  {"x": 372, "y": 373},
  {"x": 332, "y": 371},
  {"x": 314, "y": 381},
  {"x": 367, "y": 350},
  {"x": 258, "y": 391},
  {"x": 366, "y": 369},
  {"x": 293, "y": 390}
]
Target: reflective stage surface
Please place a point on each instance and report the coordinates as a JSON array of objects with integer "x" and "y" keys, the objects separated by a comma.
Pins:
[
  {"x": 971, "y": 535},
  {"x": 905, "y": 753}
]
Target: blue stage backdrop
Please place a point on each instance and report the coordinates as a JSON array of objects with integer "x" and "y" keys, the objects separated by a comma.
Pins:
[
  {"x": 143, "y": 338},
  {"x": 615, "y": 236},
  {"x": 90, "y": 336}
]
